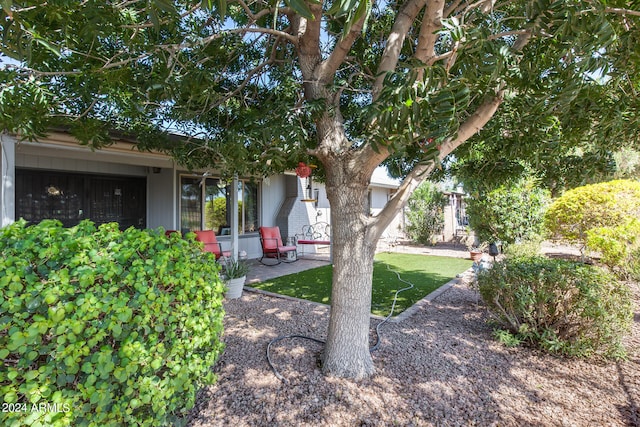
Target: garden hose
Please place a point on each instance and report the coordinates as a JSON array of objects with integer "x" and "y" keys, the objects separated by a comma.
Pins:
[
  {"x": 278, "y": 339},
  {"x": 377, "y": 329},
  {"x": 393, "y": 307}
]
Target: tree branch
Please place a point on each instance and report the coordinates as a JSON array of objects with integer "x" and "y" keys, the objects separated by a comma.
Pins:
[
  {"x": 474, "y": 123},
  {"x": 369, "y": 158},
  {"x": 381, "y": 221},
  {"x": 452, "y": 7},
  {"x": 31, "y": 71},
  {"x": 293, "y": 39},
  {"x": 431, "y": 23},
  {"x": 172, "y": 48},
  {"x": 508, "y": 33},
  {"x": 620, "y": 11},
  {"x": 253, "y": 17},
  {"x": 397, "y": 36},
  {"x": 329, "y": 66},
  {"x": 521, "y": 41},
  {"x": 308, "y": 36},
  {"x": 615, "y": 10},
  {"x": 452, "y": 58},
  {"x": 456, "y": 8},
  {"x": 441, "y": 57},
  {"x": 249, "y": 75}
]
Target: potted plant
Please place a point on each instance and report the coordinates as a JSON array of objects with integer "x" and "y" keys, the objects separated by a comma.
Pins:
[
  {"x": 476, "y": 250},
  {"x": 235, "y": 274}
]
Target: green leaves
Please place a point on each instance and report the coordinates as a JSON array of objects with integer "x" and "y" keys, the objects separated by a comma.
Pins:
[
  {"x": 412, "y": 108},
  {"x": 361, "y": 12},
  {"x": 220, "y": 6},
  {"x": 511, "y": 213},
  {"x": 78, "y": 333},
  {"x": 607, "y": 204},
  {"x": 562, "y": 307},
  {"x": 453, "y": 28},
  {"x": 619, "y": 247},
  {"x": 301, "y": 7},
  {"x": 426, "y": 213},
  {"x": 235, "y": 83}
]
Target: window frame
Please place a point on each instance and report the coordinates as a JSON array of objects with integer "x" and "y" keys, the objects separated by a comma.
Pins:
[{"x": 242, "y": 183}]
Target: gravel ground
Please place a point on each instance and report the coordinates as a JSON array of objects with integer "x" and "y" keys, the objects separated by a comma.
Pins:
[{"x": 439, "y": 367}]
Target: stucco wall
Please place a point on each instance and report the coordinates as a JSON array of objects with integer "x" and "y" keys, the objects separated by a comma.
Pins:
[
  {"x": 272, "y": 198},
  {"x": 162, "y": 195}
]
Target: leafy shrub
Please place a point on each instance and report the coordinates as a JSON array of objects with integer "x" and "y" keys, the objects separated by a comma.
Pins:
[
  {"x": 619, "y": 247},
  {"x": 425, "y": 213},
  {"x": 608, "y": 204},
  {"x": 104, "y": 327},
  {"x": 524, "y": 248},
  {"x": 510, "y": 213},
  {"x": 633, "y": 268},
  {"x": 563, "y": 307}
]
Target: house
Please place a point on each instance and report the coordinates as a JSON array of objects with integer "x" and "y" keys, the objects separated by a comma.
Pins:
[
  {"x": 382, "y": 188},
  {"x": 456, "y": 221},
  {"x": 58, "y": 178}
]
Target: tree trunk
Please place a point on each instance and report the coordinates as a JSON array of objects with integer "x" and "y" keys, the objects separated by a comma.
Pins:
[{"x": 347, "y": 349}]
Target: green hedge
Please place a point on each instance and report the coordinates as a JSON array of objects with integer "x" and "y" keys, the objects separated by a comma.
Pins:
[
  {"x": 619, "y": 248},
  {"x": 562, "y": 307},
  {"x": 607, "y": 204},
  {"x": 511, "y": 213},
  {"x": 425, "y": 213},
  {"x": 102, "y": 327}
]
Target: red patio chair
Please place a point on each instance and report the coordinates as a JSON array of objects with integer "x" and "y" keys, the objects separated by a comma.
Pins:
[
  {"x": 211, "y": 244},
  {"x": 272, "y": 246}
]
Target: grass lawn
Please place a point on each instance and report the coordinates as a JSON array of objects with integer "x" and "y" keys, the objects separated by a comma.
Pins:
[{"x": 426, "y": 272}]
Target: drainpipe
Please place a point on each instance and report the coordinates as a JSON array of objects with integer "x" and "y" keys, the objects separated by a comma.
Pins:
[
  {"x": 7, "y": 180},
  {"x": 234, "y": 217},
  {"x": 174, "y": 189}
]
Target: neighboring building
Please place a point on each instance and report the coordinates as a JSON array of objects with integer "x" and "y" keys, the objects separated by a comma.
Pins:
[
  {"x": 382, "y": 188},
  {"x": 58, "y": 178},
  {"x": 455, "y": 228},
  {"x": 456, "y": 221}
]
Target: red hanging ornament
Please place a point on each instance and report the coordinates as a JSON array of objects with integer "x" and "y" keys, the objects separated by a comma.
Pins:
[{"x": 303, "y": 170}]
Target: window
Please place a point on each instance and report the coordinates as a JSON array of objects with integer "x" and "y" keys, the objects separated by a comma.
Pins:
[
  {"x": 248, "y": 194},
  {"x": 71, "y": 197},
  {"x": 205, "y": 205}
]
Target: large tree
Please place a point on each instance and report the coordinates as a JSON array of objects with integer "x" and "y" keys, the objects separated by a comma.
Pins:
[{"x": 260, "y": 85}]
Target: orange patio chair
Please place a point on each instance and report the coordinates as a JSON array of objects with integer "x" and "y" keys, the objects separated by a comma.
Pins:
[
  {"x": 211, "y": 244},
  {"x": 272, "y": 246}
]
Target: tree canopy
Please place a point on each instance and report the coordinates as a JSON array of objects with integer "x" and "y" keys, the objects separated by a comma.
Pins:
[
  {"x": 256, "y": 86},
  {"x": 209, "y": 70}
]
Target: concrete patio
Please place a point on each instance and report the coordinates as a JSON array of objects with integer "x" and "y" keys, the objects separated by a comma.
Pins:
[{"x": 259, "y": 272}]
